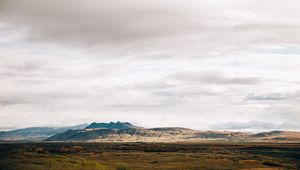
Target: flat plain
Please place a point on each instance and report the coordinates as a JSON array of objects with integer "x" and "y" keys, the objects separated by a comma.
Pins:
[{"x": 149, "y": 156}]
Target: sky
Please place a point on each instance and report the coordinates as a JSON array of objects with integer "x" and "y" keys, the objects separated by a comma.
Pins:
[{"x": 207, "y": 65}]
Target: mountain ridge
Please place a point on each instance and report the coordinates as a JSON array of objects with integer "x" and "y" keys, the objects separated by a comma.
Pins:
[
  {"x": 126, "y": 132},
  {"x": 111, "y": 125},
  {"x": 35, "y": 133}
]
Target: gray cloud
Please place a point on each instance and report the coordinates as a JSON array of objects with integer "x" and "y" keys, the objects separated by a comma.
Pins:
[
  {"x": 187, "y": 92},
  {"x": 38, "y": 97},
  {"x": 132, "y": 27},
  {"x": 6, "y": 101},
  {"x": 194, "y": 61},
  {"x": 98, "y": 23},
  {"x": 214, "y": 78},
  {"x": 255, "y": 125},
  {"x": 152, "y": 86},
  {"x": 273, "y": 96}
]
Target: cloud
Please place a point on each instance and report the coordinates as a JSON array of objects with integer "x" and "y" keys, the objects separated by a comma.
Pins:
[
  {"x": 194, "y": 61},
  {"x": 137, "y": 28},
  {"x": 273, "y": 96},
  {"x": 213, "y": 78},
  {"x": 6, "y": 101},
  {"x": 255, "y": 126},
  {"x": 100, "y": 23}
]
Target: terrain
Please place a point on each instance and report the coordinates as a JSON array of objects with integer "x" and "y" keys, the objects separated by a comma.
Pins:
[
  {"x": 123, "y": 146},
  {"x": 149, "y": 156},
  {"x": 126, "y": 132},
  {"x": 35, "y": 133}
]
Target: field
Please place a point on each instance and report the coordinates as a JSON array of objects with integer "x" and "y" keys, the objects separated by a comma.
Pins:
[{"x": 146, "y": 156}]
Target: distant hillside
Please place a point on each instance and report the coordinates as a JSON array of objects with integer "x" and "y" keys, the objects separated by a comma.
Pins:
[
  {"x": 111, "y": 125},
  {"x": 35, "y": 133},
  {"x": 278, "y": 136},
  {"x": 126, "y": 132}
]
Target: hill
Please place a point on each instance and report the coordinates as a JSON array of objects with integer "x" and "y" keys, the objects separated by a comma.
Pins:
[
  {"x": 111, "y": 125},
  {"x": 35, "y": 133},
  {"x": 126, "y": 132},
  {"x": 278, "y": 136}
]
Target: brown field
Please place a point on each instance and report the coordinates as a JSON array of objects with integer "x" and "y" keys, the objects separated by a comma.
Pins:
[{"x": 148, "y": 156}]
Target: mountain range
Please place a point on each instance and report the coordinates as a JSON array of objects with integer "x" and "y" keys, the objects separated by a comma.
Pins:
[
  {"x": 35, "y": 133},
  {"x": 126, "y": 132}
]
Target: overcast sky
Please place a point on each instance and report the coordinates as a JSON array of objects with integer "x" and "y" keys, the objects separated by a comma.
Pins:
[{"x": 209, "y": 64}]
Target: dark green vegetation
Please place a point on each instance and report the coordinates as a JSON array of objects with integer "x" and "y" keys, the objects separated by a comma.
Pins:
[
  {"x": 111, "y": 125},
  {"x": 125, "y": 156}
]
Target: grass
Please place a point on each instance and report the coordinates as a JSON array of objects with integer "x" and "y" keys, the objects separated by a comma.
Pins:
[
  {"x": 148, "y": 156},
  {"x": 122, "y": 167},
  {"x": 38, "y": 161},
  {"x": 272, "y": 163}
]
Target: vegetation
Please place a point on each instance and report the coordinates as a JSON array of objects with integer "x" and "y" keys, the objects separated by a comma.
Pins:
[
  {"x": 271, "y": 163},
  {"x": 38, "y": 161},
  {"x": 122, "y": 167},
  {"x": 148, "y": 156}
]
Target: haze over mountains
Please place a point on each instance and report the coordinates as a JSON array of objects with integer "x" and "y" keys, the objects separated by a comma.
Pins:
[
  {"x": 35, "y": 133},
  {"x": 127, "y": 132}
]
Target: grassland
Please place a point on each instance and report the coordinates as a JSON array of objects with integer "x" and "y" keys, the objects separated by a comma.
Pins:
[{"x": 148, "y": 156}]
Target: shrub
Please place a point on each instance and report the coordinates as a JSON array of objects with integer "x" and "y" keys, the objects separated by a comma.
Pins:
[
  {"x": 271, "y": 163},
  {"x": 77, "y": 148},
  {"x": 122, "y": 167},
  {"x": 66, "y": 150},
  {"x": 40, "y": 150},
  {"x": 3, "y": 148}
]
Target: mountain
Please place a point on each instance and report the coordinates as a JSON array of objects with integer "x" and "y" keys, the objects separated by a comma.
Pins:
[
  {"x": 278, "y": 136},
  {"x": 111, "y": 125},
  {"x": 35, "y": 133},
  {"x": 126, "y": 132}
]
